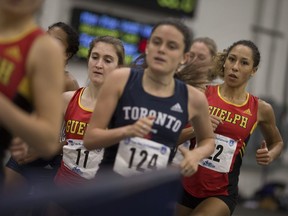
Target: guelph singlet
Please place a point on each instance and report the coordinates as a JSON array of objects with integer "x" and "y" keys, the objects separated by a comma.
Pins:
[
  {"x": 78, "y": 163},
  {"x": 14, "y": 83},
  {"x": 171, "y": 116},
  {"x": 218, "y": 174}
]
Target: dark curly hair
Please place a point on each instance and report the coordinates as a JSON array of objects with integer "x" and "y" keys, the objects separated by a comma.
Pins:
[
  {"x": 72, "y": 38},
  {"x": 220, "y": 58}
]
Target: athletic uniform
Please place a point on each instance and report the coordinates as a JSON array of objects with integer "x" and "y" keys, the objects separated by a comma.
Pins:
[
  {"x": 217, "y": 176},
  {"x": 136, "y": 155},
  {"x": 14, "y": 83},
  {"x": 78, "y": 164}
]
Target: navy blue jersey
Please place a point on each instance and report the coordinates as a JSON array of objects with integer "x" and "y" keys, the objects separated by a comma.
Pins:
[{"x": 171, "y": 113}]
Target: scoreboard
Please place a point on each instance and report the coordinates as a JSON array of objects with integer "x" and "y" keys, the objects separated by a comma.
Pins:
[
  {"x": 91, "y": 24},
  {"x": 179, "y": 8}
]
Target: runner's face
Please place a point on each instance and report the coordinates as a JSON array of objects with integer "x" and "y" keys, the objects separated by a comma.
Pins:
[
  {"x": 165, "y": 50},
  {"x": 239, "y": 66},
  {"x": 103, "y": 60},
  {"x": 200, "y": 53}
]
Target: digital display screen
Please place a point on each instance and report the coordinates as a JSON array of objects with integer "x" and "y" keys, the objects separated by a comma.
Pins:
[
  {"x": 90, "y": 24},
  {"x": 178, "y": 8}
]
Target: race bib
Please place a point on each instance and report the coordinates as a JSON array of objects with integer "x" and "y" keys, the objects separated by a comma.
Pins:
[
  {"x": 178, "y": 156},
  {"x": 81, "y": 161},
  {"x": 221, "y": 159},
  {"x": 137, "y": 155}
]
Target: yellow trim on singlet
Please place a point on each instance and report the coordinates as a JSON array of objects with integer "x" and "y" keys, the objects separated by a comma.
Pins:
[
  {"x": 24, "y": 89},
  {"x": 237, "y": 105},
  {"x": 242, "y": 150},
  {"x": 14, "y": 52},
  {"x": 254, "y": 127},
  {"x": 19, "y": 36},
  {"x": 79, "y": 102}
]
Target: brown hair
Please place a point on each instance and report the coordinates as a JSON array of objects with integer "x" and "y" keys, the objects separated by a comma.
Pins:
[
  {"x": 209, "y": 42},
  {"x": 211, "y": 45},
  {"x": 117, "y": 43},
  {"x": 195, "y": 75},
  {"x": 180, "y": 26}
]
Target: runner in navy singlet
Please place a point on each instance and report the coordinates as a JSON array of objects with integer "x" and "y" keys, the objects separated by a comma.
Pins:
[{"x": 146, "y": 109}]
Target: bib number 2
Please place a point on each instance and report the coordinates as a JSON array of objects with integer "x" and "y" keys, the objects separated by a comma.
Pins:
[{"x": 222, "y": 157}]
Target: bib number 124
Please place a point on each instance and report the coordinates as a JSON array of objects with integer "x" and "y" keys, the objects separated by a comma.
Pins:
[{"x": 152, "y": 163}]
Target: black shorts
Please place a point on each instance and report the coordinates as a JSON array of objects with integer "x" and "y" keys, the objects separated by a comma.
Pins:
[
  {"x": 36, "y": 171},
  {"x": 192, "y": 202}
]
